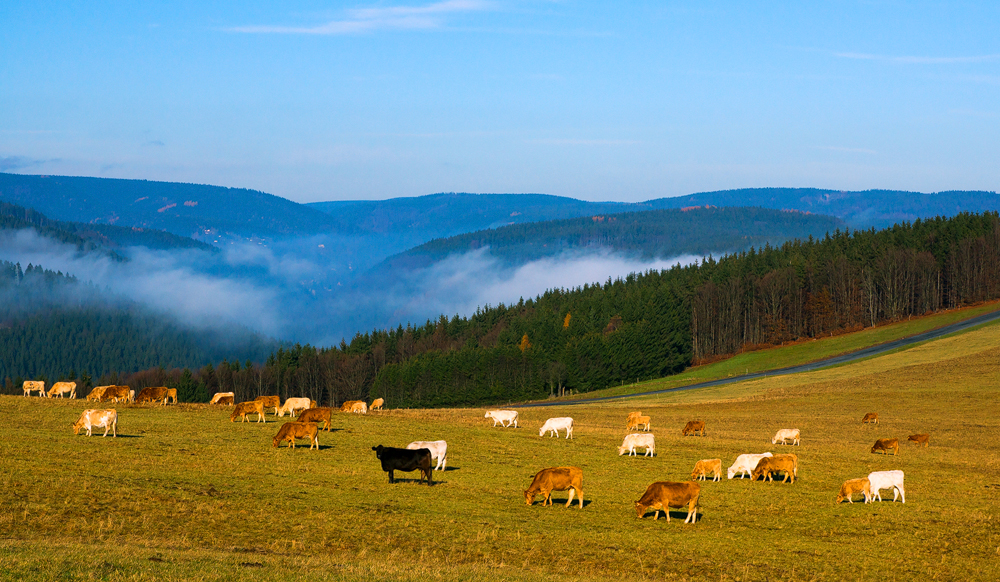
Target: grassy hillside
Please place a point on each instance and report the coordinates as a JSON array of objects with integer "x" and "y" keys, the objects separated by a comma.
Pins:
[{"x": 183, "y": 493}]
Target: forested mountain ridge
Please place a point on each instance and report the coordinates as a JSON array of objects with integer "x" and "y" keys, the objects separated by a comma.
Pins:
[{"x": 649, "y": 234}]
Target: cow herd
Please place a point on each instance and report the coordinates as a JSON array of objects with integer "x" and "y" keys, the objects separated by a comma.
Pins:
[{"x": 305, "y": 427}]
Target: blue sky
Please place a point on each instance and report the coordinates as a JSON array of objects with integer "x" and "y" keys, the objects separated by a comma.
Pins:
[{"x": 595, "y": 100}]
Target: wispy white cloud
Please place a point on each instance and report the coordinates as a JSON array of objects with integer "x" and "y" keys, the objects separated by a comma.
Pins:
[
  {"x": 848, "y": 150},
  {"x": 360, "y": 20},
  {"x": 913, "y": 60}
]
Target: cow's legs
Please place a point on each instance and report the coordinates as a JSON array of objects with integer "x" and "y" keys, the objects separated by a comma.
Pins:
[
  {"x": 570, "y": 500},
  {"x": 390, "y": 476}
]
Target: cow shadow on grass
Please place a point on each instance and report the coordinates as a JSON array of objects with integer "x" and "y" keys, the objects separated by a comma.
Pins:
[
  {"x": 562, "y": 503},
  {"x": 446, "y": 469},
  {"x": 399, "y": 480}
]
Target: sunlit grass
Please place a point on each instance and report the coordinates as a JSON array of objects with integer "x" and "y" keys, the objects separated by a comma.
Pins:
[{"x": 184, "y": 494}]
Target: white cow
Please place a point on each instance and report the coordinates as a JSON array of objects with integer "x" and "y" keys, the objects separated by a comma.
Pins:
[
  {"x": 131, "y": 395},
  {"x": 637, "y": 440},
  {"x": 745, "y": 464},
  {"x": 554, "y": 425},
  {"x": 786, "y": 433},
  {"x": 439, "y": 451},
  {"x": 220, "y": 395},
  {"x": 887, "y": 480},
  {"x": 504, "y": 417},
  {"x": 97, "y": 418},
  {"x": 293, "y": 404}
]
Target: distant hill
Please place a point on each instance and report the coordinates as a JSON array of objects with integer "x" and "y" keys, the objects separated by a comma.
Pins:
[{"x": 649, "y": 234}]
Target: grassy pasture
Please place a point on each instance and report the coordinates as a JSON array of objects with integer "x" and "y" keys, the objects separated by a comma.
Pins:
[{"x": 185, "y": 494}]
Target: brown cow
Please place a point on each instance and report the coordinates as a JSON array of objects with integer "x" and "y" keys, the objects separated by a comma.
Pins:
[
  {"x": 778, "y": 463},
  {"x": 555, "y": 479},
  {"x": 693, "y": 427},
  {"x": 638, "y": 421},
  {"x": 297, "y": 430},
  {"x": 171, "y": 395},
  {"x": 244, "y": 408},
  {"x": 663, "y": 495},
  {"x": 34, "y": 386},
  {"x": 316, "y": 415},
  {"x": 348, "y": 405},
  {"x": 220, "y": 395},
  {"x": 116, "y": 393},
  {"x": 630, "y": 418},
  {"x": 870, "y": 418},
  {"x": 705, "y": 466},
  {"x": 885, "y": 444},
  {"x": 152, "y": 394},
  {"x": 853, "y": 486},
  {"x": 377, "y": 404},
  {"x": 96, "y": 393},
  {"x": 225, "y": 401},
  {"x": 920, "y": 439},
  {"x": 270, "y": 402}
]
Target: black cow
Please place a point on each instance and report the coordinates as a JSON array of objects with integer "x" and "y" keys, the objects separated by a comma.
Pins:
[{"x": 394, "y": 459}]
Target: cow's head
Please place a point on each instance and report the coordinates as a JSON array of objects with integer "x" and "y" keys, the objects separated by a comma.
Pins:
[
  {"x": 529, "y": 496},
  {"x": 76, "y": 427},
  {"x": 378, "y": 451},
  {"x": 640, "y": 509},
  {"x": 621, "y": 450}
]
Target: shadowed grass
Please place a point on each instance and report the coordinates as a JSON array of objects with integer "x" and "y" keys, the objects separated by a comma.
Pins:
[{"x": 191, "y": 496}]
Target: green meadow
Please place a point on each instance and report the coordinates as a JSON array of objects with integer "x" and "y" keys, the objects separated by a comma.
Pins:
[{"x": 184, "y": 494}]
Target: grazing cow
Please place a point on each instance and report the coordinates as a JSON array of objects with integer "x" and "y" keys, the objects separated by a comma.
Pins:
[
  {"x": 663, "y": 495},
  {"x": 113, "y": 393},
  {"x": 693, "y": 427},
  {"x": 438, "y": 449},
  {"x": 631, "y": 417},
  {"x": 323, "y": 415},
  {"x": 504, "y": 417},
  {"x": 60, "y": 388},
  {"x": 108, "y": 419},
  {"x": 244, "y": 408},
  {"x": 270, "y": 402},
  {"x": 394, "y": 459},
  {"x": 131, "y": 396},
  {"x": 152, "y": 394},
  {"x": 34, "y": 386},
  {"x": 870, "y": 418},
  {"x": 359, "y": 407},
  {"x": 779, "y": 463},
  {"x": 347, "y": 405},
  {"x": 637, "y": 422},
  {"x": 885, "y": 445},
  {"x": 97, "y": 393},
  {"x": 226, "y": 401},
  {"x": 705, "y": 466},
  {"x": 887, "y": 480},
  {"x": 745, "y": 464},
  {"x": 220, "y": 395},
  {"x": 852, "y": 486},
  {"x": 637, "y": 440},
  {"x": 377, "y": 404},
  {"x": 784, "y": 434},
  {"x": 920, "y": 439},
  {"x": 555, "y": 479},
  {"x": 170, "y": 395},
  {"x": 554, "y": 425},
  {"x": 297, "y": 430},
  {"x": 293, "y": 404}
]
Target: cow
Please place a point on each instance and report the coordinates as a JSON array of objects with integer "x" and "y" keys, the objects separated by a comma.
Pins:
[
  {"x": 504, "y": 417},
  {"x": 887, "y": 480},
  {"x": 297, "y": 430},
  {"x": 663, "y": 495},
  {"x": 293, "y": 404},
  {"x": 108, "y": 419},
  {"x": 852, "y": 486},
  {"x": 885, "y": 445},
  {"x": 170, "y": 395},
  {"x": 270, "y": 402},
  {"x": 554, "y": 425},
  {"x": 705, "y": 466},
  {"x": 637, "y": 422},
  {"x": 377, "y": 404},
  {"x": 555, "y": 479},
  {"x": 244, "y": 408},
  {"x": 115, "y": 393},
  {"x": 780, "y": 463},
  {"x": 693, "y": 427},
  {"x": 637, "y": 440},
  {"x": 920, "y": 439},
  {"x": 97, "y": 393},
  {"x": 220, "y": 395},
  {"x": 347, "y": 405},
  {"x": 359, "y": 407},
  {"x": 870, "y": 418},
  {"x": 131, "y": 396},
  {"x": 438, "y": 449},
  {"x": 152, "y": 394},
  {"x": 34, "y": 386},
  {"x": 745, "y": 464},
  {"x": 394, "y": 459},
  {"x": 323, "y": 415},
  {"x": 630, "y": 418},
  {"x": 60, "y": 388},
  {"x": 786, "y": 433},
  {"x": 225, "y": 401}
]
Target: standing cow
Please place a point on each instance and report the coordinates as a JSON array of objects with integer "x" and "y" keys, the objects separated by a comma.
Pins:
[
  {"x": 555, "y": 479},
  {"x": 394, "y": 459}
]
